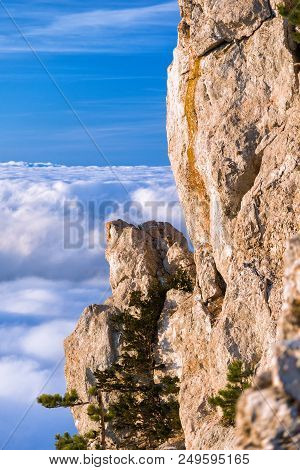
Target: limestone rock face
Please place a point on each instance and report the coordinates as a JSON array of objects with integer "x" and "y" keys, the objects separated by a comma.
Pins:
[
  {"x": 224, "y": 111},
  {"x": 268, "y": 414},
  {"x": 209, "y": 23},
  {"x": 140, "y": 255},
  {"x": 184, "y": 349},
  {"x": 94, "y": 344},
  {"x": 171, "y": 329},
  {"x": 233, "y": 131}
]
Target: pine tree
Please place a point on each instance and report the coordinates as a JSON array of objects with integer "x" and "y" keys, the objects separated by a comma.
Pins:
[
  {"x": 69, "y": 400},
  {"x": 68, "y": 442},
  {"x": 180, "y": 281},
  {"x": 238, "y": 380},
  {"x": 144, "y": 413},
  {"x": 95, "y": 412}
]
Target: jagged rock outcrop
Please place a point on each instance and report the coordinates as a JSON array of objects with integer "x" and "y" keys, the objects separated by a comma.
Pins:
[
  {"x": 93, "y": 344},
  {"x": 233, "y": 132},
  {"x": 138, "y": 258},
  {"x": 268, "y": 415}
]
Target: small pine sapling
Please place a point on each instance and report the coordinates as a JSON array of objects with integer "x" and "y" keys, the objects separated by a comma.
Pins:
[{"x": 238, "y": 380}]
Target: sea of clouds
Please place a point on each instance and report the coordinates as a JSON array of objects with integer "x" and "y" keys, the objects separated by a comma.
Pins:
[{"x": 52, "y": 265}]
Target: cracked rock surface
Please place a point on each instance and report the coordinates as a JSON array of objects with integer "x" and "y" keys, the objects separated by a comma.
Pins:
[
  {"x": 234, "y": 140},
  {"x": 268, "y": 414}
]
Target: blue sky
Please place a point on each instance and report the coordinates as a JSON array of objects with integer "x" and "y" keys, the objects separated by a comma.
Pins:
[{"x": 109, "y": 59}]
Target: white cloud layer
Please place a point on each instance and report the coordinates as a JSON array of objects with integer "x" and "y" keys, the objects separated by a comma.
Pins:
[
  {"x": 44, "y": 341},
  {"x": 43, "y": 285},
  {"x": 36, "y": 227},
  {"x": 22, "y": 380},
  {"x": 43, "y": 298}
]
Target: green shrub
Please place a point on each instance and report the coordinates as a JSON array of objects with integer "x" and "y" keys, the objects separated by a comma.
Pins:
[
  {"x": 238, "y": 379},
  {"x": 291, "y": 12},
  {"x": 181, "y": 281}
]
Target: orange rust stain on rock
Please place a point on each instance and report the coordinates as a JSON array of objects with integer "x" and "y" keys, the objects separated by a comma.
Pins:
[{"x": 195, "y": 179}]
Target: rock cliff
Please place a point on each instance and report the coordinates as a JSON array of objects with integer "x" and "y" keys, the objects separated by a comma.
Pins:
[{"x": 233, "y": 130}]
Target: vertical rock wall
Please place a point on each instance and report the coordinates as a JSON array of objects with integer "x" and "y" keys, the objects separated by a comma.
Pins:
[{"x": 233, "y": 131}]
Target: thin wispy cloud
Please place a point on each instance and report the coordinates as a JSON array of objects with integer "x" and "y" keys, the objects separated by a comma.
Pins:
[
  {"x": 117, "y": 19},
  {"x": 98, "y": 30}
]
